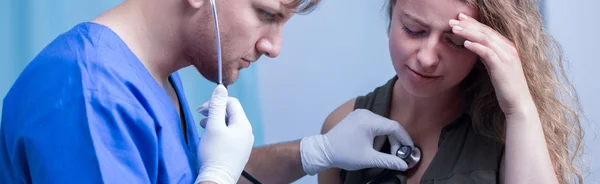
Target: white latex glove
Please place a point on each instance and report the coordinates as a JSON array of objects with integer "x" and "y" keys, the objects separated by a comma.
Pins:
[
  {"x": 349, "y": 145},
  {"x": 225, "y": 146}
]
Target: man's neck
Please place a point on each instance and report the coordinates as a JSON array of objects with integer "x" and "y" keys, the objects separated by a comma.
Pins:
[{"x": 149, "y": 33}]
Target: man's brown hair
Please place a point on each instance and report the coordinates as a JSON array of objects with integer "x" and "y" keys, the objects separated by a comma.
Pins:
[{"x": 303, "y": 6}]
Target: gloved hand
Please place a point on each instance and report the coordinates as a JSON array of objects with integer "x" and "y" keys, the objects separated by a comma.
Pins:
[
  {"x": 225, "y": 146},
  {"x": 349, "y": 145}
]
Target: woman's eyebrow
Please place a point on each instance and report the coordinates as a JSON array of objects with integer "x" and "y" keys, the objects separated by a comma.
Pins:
[{"x": 414, "y": 18}]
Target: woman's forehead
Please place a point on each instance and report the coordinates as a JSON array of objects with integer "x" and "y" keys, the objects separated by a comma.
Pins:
[{"x": 435, "y": 10}]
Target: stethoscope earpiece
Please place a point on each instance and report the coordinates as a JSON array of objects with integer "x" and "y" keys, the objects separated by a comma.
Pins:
[{"x": 411, "y": 156}]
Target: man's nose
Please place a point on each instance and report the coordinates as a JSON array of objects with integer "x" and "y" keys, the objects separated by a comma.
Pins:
[{"x": 269, "y": 47}]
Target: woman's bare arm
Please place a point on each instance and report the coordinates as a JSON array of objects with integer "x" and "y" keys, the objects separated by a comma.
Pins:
[
  {"x": 526, "y": 157},
  {"x": 332, "y": 175}
]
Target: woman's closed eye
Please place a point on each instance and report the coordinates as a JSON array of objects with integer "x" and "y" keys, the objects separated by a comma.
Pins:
[
  {"x": 455, "y": 41},
  {"x": 411, "y": 32}
]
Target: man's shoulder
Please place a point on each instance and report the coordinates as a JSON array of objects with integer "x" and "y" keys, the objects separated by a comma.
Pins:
[
  {"x": 78, "y": 43},
  {"x": 74, "y": 63},
  {"x": 80, "y": 50}
]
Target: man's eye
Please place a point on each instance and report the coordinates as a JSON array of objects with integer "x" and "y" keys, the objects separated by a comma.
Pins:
[{"x": 268, "y": 16}]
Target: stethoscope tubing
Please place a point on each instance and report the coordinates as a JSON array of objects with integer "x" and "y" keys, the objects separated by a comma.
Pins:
[{"x": 218, "y": 41}]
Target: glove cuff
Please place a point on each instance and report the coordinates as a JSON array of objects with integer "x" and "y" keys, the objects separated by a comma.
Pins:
[
  {"x": 313, "y": 154},
  {"x": 216, "y": 174}
]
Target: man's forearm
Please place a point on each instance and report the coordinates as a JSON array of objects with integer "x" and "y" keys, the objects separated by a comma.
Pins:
[{"x": 278, "y": 163}]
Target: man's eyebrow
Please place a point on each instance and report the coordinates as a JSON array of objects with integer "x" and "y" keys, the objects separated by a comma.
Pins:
[
  {"x": 270, "y": 8},
  {"x": 277, "y": 11},
  {"x": 285, "y": 10}
]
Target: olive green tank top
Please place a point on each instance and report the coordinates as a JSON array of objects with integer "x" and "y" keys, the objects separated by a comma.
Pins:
[{"x": 463, "y": 155}]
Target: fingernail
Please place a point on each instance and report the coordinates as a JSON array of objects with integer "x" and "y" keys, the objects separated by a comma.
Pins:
[
  {"x": 457, "y": 28},
  {"x": 462, "y": 16},
  {"x": 453, "y": 22},
  {"x": 468, "y": 43}
]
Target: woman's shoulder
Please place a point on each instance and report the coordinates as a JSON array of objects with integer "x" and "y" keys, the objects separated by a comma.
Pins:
[
  {"x": 383, "y": 91},
  {"x": 376, "y": 101},
  {"x": 338, "y": 114}
]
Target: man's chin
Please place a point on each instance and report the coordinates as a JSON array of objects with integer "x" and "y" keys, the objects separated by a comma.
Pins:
[
  {"x": 233, "y": 77},
  {"x": 228, "y": 77},
  {"x": 214, "y": 78}
]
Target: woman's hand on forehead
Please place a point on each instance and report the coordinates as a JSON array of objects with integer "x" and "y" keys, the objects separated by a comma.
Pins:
[{"x": 500, "y": 58}]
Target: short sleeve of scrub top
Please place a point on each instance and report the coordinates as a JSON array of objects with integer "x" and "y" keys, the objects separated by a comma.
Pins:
[{"x": 86, "y": 110}]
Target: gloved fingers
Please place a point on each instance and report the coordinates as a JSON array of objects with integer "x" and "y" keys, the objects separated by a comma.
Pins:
[
  {"x": 387, "y": 161},
  {"x": 236, "y": 115},
  {"x": 203, "y": 109},
  {"x": 394, "y": 144},
  {"x": 234, "y": 107},
  {"x": 217, "y": 108},
  {"x": 402, "y": 136},
  {"x": 203, "y": 122},
  {"x": 380, "y": 125}
]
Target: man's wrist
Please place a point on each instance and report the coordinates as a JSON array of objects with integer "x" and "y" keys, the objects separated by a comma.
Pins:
[{"x": 312, "y": 154}]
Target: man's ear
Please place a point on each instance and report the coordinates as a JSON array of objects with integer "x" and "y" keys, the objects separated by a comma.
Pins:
[{"x": 196, "y": 3}]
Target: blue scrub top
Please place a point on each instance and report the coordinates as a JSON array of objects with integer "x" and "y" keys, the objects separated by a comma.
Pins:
[{"x": 86, "y": 110}]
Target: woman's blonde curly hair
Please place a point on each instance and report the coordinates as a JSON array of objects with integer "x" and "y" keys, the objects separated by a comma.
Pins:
[{"x": 555, "y": 97}]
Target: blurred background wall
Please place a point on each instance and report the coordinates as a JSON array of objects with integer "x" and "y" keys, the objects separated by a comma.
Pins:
[{"x": 327, "y": 58}]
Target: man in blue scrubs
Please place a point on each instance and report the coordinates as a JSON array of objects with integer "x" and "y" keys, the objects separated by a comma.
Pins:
[{"x": 103, "y": 103}]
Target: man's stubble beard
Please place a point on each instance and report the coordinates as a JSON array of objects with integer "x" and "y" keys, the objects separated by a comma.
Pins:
[{"x": 201, "y": 52}]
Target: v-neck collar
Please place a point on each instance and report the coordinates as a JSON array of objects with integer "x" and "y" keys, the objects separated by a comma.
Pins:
[
  {"x": 166, "y": 104},
  {"x": 458, "y": 120}
]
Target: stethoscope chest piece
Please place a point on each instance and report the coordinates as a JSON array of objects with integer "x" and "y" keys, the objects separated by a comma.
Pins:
[{"x": 409, "y": 155}]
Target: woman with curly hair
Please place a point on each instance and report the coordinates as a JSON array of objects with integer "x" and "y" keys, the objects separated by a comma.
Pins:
[{"x": 480, "y": 89}]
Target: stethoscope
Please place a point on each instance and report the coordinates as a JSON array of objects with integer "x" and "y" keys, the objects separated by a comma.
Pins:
[{"x": 411, "y": 156}]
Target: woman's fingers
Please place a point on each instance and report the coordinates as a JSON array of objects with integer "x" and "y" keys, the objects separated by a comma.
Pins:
[
  {"x": 477, "y": 32},
  {"x": 488, "y": 55},
  {"x": 478, "y": 43},
  {"x": 486, "y": 30}
]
